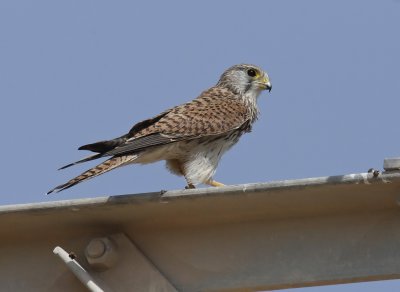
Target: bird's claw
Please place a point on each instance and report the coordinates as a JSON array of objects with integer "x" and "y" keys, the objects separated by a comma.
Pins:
[{"x": 375, "y": 173}]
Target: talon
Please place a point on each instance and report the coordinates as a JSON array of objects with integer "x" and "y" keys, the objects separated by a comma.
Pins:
[
  {"x": 190, "y": 186},
  {"x": 376, "y": 173}
]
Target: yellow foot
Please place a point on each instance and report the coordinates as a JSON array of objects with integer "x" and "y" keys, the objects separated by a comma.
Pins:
[{"x": 215, "y": 183}]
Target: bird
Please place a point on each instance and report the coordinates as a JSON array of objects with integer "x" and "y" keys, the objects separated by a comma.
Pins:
[{"x": 191, "y": 137}]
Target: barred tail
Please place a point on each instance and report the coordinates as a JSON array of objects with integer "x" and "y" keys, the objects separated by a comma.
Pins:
[{"x": 104, "y": 167}]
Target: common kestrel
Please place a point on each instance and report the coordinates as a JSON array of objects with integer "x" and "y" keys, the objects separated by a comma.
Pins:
[{"x": 191, "y": 137}]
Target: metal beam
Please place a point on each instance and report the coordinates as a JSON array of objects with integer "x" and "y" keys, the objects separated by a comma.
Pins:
[{"x": 293, "y": 233}]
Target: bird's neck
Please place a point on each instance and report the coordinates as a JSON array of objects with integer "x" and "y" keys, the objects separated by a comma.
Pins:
[{"x": 250, "y": 99}]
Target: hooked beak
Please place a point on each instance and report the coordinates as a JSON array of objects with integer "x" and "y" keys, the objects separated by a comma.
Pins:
[
  {"x": 265, "y": 84},
  {"x": 268, "y": 86}
]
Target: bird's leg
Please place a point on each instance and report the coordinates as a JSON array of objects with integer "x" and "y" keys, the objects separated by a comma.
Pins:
[
  {"x": 176, "y": 167},
  {"x": 181, "y": 169},
  {"x": 214, "y": 183}
]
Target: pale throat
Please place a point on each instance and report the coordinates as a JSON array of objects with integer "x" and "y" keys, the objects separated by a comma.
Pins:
[{"x": 250, "y": 99}]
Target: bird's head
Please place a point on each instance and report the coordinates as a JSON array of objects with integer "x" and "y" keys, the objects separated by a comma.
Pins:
[{"x": 245, "y": 79}]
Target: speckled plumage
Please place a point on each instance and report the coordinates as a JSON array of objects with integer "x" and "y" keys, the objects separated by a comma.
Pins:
[{"x": 191, "y": 137}]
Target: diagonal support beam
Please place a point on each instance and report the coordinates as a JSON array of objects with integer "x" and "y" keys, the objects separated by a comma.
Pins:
[{"x": 78, "y": 270}]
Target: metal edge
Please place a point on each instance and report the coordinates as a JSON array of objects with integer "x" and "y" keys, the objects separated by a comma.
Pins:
[{"x": 360, "y": 178}]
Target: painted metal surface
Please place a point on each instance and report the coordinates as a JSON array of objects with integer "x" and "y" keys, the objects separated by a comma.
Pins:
[{"x": 249, "y": 237}]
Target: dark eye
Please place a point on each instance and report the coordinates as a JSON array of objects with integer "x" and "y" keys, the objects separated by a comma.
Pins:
[{"x": 251, "y": 72}]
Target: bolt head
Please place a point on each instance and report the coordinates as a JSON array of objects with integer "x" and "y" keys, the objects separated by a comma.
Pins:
[
  {"x": 101, "y": 253},
  {"x": 96, "y": 248}
]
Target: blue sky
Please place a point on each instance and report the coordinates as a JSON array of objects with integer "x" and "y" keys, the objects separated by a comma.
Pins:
[{"x": 76, "y": 72}]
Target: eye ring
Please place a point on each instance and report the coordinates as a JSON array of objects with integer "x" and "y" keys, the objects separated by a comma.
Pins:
[{"x": 251, "y": 72}]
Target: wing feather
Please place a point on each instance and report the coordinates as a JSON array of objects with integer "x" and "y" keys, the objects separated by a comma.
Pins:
[
  {"x": 136, "y": 145},
  {"x": 215, "y": 112},
  {"x": 205, "y": 116}
]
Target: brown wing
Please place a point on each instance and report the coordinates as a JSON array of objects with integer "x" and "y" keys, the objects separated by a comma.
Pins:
[{"x": 215, "y": 112}]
